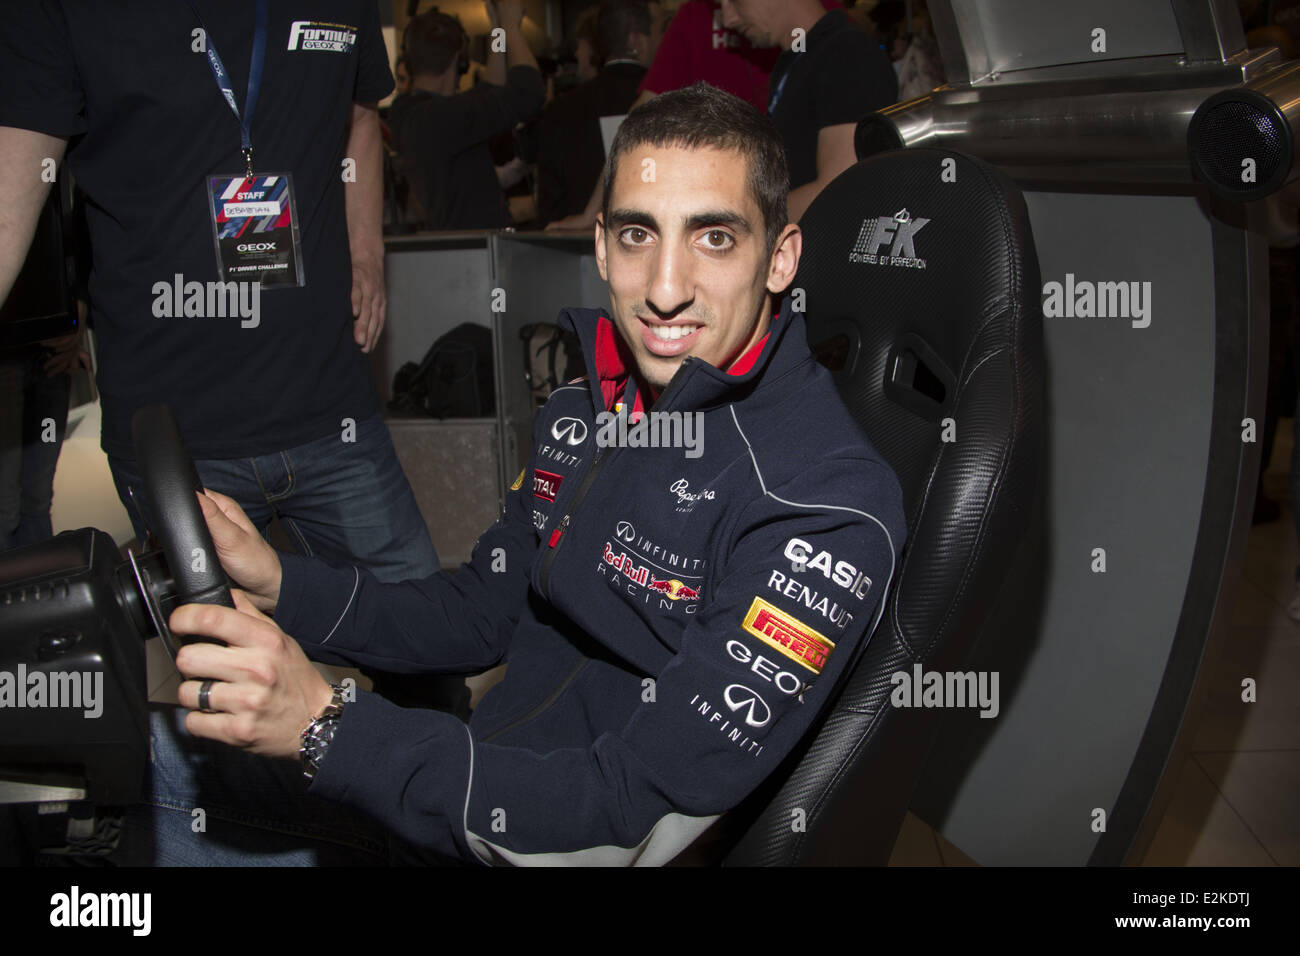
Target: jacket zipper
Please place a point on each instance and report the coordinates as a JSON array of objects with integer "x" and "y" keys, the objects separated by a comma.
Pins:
[
  {"x": 557, "y": 534},
  {"x": 553, "y": 548},
  {"x": 540, "y": 707}
]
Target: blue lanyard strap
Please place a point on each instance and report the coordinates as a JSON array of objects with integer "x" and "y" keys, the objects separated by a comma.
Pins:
[
  {"x": 780, "y": 88},
  {"x": 254, "y": 78}
]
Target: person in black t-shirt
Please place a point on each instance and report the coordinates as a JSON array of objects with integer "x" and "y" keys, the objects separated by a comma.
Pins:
[
  {"x": 443, "y": 136},
  {"x": 829, "y": 75},
  {"x": 402, "y": 76},
  {"x": 570, "y": 150},
  {"x": 275, "y": 402}
]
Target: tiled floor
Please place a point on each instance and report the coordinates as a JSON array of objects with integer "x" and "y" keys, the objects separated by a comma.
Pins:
[{"x": 1238, "y": 797}]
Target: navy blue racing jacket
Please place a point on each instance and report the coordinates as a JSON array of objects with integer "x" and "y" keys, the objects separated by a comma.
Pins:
[{"x": 675, "y": 600}]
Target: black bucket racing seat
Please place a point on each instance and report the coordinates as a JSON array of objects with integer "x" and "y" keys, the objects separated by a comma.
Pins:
[{"x": 921, "y": 290}]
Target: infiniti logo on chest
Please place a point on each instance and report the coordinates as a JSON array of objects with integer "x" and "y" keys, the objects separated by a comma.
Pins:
[{"x": 573, "y": 431}]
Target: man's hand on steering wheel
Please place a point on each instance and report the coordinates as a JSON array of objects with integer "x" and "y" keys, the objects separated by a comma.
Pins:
[
  {"x": 264, "y": 692},
  {"x": 241, "y": 549}
]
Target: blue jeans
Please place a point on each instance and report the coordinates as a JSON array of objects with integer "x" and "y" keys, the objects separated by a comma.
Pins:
[
  {"x": 29, "y": 401},
  {"x": 345, "y": 502},
  {"x": 208, "y": 804},
  {"x": 252, "y": 811}
]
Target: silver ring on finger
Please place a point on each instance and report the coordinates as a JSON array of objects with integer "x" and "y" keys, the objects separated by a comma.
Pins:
[{"x": 205, "y": 692}]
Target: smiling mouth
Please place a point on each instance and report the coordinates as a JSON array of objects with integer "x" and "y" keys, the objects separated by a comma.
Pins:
[
  {"x": 668, "y": 341},
  {"x": 669, "y": 333}
]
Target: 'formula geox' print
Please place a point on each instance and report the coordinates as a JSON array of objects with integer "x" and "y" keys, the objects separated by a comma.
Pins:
[{"x": 255, "y": 226}]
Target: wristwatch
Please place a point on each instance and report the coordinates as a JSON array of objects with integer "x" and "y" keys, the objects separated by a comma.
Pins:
[{"x": 318, "y": 734}]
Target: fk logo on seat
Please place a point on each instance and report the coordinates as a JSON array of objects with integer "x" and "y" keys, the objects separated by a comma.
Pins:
[{"x": 898, "y": 232}]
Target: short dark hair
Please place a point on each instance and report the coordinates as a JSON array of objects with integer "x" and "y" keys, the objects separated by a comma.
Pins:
[
  {"x": 702, "y": 116},
  {"x": 432, "y": 42},
  {"x": 616, "y": 19}
]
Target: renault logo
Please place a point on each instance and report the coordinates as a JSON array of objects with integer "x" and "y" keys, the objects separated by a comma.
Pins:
[
  {"x": 740, "y": 697},
  {"x": 572, "y": 430}
]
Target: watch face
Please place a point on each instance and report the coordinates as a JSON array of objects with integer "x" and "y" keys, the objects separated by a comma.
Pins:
[{"x": 317, "y": 739}]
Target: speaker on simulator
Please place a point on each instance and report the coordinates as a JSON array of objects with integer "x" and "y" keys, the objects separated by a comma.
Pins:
[{"x": 1242, "y": 140}]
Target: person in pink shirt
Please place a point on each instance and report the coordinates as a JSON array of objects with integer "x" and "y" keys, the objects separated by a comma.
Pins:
[{"x": 697, "y": 47}]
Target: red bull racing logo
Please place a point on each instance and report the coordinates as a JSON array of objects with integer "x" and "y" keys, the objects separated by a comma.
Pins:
[
  {"x": 643, "y": 582},
  {"x": 674, "y": 589}
]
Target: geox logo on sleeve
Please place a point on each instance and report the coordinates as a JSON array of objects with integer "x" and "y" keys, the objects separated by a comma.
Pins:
[
  {"x": 788, "y": 635},
  {"x": 330, "y": 37},
  {"x": 898, "y": 231}
]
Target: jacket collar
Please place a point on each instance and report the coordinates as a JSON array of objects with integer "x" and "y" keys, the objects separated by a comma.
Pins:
[{"x": 700, "y": 384}]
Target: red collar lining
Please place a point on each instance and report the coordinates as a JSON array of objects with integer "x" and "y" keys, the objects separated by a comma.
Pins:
[{"x": 611, "y": 366}]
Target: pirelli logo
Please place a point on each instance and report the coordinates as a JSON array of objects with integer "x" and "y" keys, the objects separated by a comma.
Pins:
[{"x": 791, "y": 637}]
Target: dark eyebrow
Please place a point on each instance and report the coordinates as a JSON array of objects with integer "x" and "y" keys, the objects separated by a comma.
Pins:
[
  {"x": 719, "y": 217},
  {"x": 621, "y": 218}
]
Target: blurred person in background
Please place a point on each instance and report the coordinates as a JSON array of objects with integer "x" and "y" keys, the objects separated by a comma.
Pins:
[
  {"x": 444, "y": 136},
  {"x": 570, "y": 150},
  {"x": 699, "y": 46},
  {"x": 35, "y": 391},
  {"x": 277, "y": 408},
  {"x": 829, "y": 75},
  {"x": 35, "y": 382},
  {"x": 402, "y": 76},
  {"x": 920, "y": 68},
  {"x": 587, "y": 45}
]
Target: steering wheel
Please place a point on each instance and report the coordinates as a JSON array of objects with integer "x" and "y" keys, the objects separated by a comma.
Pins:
[{"x": 171, "y": 484}]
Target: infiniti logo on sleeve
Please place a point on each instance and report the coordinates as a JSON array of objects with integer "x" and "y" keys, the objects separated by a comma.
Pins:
[
  {"x": 738, "y": 697},
  {"x": 573, "y": 431}
]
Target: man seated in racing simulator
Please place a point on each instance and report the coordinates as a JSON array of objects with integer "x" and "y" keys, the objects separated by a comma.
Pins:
[{"x": 698, "y": 548}]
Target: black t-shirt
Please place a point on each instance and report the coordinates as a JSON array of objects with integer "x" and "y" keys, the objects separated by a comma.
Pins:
[
  {"x": 841, "y": 75},
  {"x": 443, "y": 141},
  {"x": 571, "y": 151},
  {"x": 148, "y": 125}
]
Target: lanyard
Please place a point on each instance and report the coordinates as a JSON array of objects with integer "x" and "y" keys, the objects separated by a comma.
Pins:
[
  {"x": 780, "y": 88},
  {"x": 254, "y": 79}
]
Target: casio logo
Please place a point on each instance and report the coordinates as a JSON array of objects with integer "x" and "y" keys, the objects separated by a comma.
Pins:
[{"x": 801, "y": 555}]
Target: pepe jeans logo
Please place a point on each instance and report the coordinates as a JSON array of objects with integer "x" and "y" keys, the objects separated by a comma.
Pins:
[
  {"x": 899, "y": 230},
  {"x": 686, "y": 498}
]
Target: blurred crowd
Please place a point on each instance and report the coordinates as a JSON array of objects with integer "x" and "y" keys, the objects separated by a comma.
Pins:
[{"x": 486, "y": 134}]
